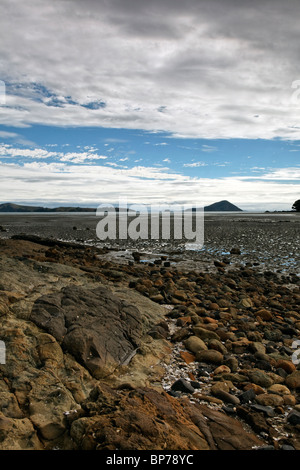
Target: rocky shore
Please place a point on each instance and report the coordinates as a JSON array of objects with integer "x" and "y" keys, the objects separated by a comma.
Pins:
[{"x": 110, "y": 352}]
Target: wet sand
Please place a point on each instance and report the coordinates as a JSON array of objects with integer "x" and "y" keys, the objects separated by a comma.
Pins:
[{"x": 267, "y": 241}]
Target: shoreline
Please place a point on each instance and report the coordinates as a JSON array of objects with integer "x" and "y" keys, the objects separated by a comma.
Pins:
[{"x": 214, "y": 343}]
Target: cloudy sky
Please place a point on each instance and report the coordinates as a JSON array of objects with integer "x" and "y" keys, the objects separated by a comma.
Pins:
[{"x": 188, "y": 102}]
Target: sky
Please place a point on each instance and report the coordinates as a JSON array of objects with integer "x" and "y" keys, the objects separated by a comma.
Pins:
[{"x": 154, "y": 102}]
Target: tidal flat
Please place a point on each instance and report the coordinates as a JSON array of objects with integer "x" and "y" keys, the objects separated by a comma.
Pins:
[{"x": 267, "y": 241}]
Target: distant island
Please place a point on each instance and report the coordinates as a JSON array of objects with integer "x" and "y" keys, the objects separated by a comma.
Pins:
[
  {"x": 9, "y": 207},
  {"x": 222, "y": 206}
]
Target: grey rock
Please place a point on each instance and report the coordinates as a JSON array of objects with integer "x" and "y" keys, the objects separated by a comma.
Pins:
[
  {"x": 95, "y": 326},
  {"x": 267, "y": 410},
  {"x": 182, "y": 385},
  {"x": 248, "y": 396},
  {"x": 294, "y": 417}
]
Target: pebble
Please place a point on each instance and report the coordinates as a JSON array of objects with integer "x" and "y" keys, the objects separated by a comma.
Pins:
[
  {"x": 248, "y": 396},
  {"x": 195, "y": 344},
  {"x": 211, "y": 356},
  {"x": 293, "y": 417},
  {"x": 234, "y": 331},
  {"x": 182, "y": 385}
]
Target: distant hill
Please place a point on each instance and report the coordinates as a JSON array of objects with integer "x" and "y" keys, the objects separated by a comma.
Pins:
[
  {"x": 9, "y": 207},
  {"x": 222, "y": 206}
]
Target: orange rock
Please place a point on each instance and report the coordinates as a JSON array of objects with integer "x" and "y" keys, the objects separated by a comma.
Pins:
[
  {"x": 210, "y": 320},
  {"x": 191, "y": 376},
  {"x": 183, "y": 321},
  {"x": 187, "y": 357},
  {"x": 257, "y": 389},
  {"x": 286, "y": 365}
]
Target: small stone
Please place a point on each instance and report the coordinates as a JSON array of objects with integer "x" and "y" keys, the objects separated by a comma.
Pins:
[
  {"x": 279, "y": 389},
  {"x": 208, "y": 398},
  {"x": 293, "y": 417},
  {"x": 235, "y": 377},
  {"x": 264, "y": 314},
  {"x": 260, "y": 378},
  {"x": 183, "y": 321},
  {"x": 211, "y": 356},
  {"x": 221, "y": 370},
  {"x": 235, "y": 251},
  {"x": 195, "y": 344},
  {"x": 187, "y": 357},
  {"x": 287, "y": 447},
  {"x": 269, "y": 447},
  {"x": 287, "y": 366},
  {"x": 267, "y": 410},
  {"x": 213, "y": 306},
  {"x": 232, "y": 363},
  {"x": 223, "y": 386},
  {"x": 289, "y": 400},
  {"x": 247, "y": 396},
  {"x": 245, "y": 303},
  {"x": 293, "y": 380},
  {"x": 227, "y": 397},
  {"x": 203, "y": 333},
  {"x": 219, "y": 264},
  {"x": 257, "y": 389},
  {"x": 180, "y": 295},
  {"x": 174, "y": 394},
  {"x": 182, "y": 385},
  {"x": 157, "y": 298},
  {"x": 217, "y": 345},
  {"x": 257, "y": 347},
  {"x": 267, "y": 399},
  {"x": 195, "y": 384}
]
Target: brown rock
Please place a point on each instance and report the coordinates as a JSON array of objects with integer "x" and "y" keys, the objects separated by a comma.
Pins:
[
  {"x": 288, "y": 366},
  {"x": 204, "y": 333},
  {"x": 210, "y": 356},
  {"x": 195, "y": 344},
  {"x": 183, "y": 321},
  {"x": 217, "y": 345},
  {"x": 213, "y": 306},
  {"x": 221, "y": 370},
  {"x": 279, "y": 389},
  {"x": 187, "y": 357},
  {"x": 267, "y": 399},
  {"x": 264, "y": 314},
  {"x": 293, "y": 380},
  {"x": 257, "y": 389},
  {"x": 207, "y": 398},
  {"x": 146, "y": 419},
  {"x": 180, "y": 295},
  {"x": 289, "y": 400}
]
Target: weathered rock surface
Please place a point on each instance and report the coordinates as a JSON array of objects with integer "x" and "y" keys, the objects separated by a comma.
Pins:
[
  {"x": 95, "y": 326},
  {"x": 93, "y": 348},
  {"x": 146, "y": 419}
]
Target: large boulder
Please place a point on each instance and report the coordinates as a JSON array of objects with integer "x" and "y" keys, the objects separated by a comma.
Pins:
[{"x": 99, "y": 329}]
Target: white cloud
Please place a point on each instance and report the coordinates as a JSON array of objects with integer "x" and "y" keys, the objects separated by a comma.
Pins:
[
  {"x": 38, "y": 153},
  {"x": 92, "y": 185},
  {"x": 209, "y": 148},
  {"x": 211, "y": 69},
  {"x": 195, "y": 164},
  {"x": 8, "y": 151},
  {"x": 278, "y": 174}
]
